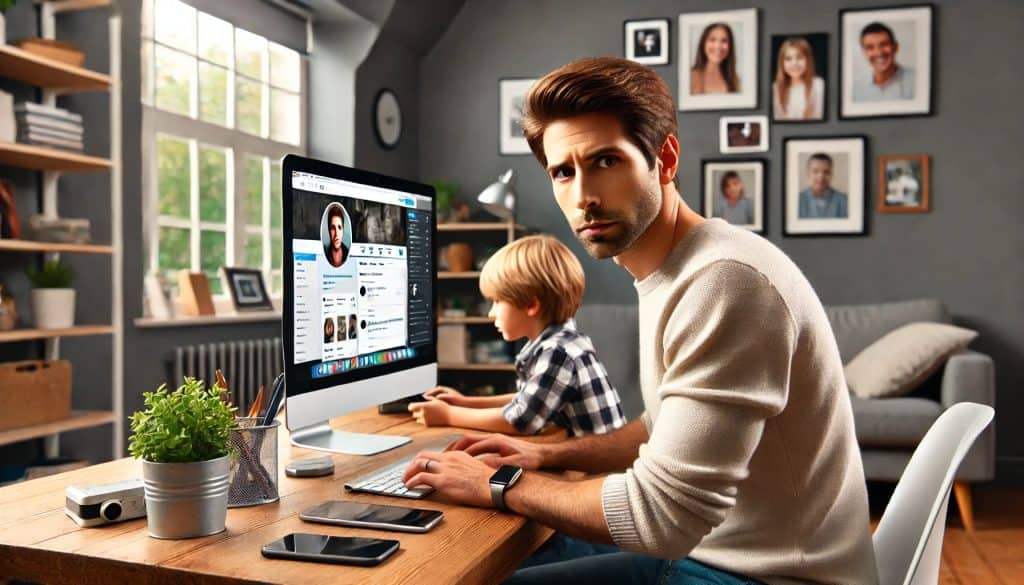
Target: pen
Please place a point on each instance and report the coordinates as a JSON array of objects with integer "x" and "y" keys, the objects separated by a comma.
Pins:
[{"x": 276, "y": 396}]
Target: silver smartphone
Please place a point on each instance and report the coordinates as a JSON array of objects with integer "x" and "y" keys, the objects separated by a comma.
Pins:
[{"x": 363, "y": 515}]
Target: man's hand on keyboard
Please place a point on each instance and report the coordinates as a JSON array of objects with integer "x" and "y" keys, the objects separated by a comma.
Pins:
[{"x": 455, "y": 474}]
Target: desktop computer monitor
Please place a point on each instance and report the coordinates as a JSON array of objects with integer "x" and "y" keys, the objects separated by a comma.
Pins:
[{"x": 360, "y": 279}]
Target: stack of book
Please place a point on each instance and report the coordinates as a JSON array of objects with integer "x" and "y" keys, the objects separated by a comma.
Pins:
[{"x": 48, "y": 126}]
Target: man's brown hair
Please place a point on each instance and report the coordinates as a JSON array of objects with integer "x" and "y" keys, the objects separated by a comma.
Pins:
[
  {"x": 634, "y": 94},
  {"x": 537, "y": 268}
]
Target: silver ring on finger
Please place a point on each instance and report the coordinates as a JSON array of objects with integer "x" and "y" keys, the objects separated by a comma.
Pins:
[{"x": 426, "y": 466}]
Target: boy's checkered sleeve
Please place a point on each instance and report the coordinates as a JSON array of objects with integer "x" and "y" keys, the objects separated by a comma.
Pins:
[{"x": 543, "y": 393}]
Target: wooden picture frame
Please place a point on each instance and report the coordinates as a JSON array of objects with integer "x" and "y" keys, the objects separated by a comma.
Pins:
[{"x": 904, "y": 183}]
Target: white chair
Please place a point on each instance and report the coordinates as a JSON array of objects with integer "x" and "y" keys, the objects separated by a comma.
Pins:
[{"x": 908, "y": 540}]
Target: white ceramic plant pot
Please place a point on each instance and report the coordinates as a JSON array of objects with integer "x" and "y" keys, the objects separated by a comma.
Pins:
[{"x": 53, "y": 308}]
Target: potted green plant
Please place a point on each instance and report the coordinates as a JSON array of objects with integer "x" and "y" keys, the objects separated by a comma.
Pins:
[
  {"x": 53, "y": 299},
  {"x": 445, "y": 194},
  {"x": 183, "y": 440}
]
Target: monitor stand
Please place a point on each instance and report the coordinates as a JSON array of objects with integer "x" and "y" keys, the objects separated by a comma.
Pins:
[{"x": 324, "y": 438}]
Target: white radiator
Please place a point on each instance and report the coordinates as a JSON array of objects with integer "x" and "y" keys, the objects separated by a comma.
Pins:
[{"x": 246, "y": 365}]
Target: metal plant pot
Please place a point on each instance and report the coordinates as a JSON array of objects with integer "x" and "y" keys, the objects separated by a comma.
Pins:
[{"x": 186, "y": 500}]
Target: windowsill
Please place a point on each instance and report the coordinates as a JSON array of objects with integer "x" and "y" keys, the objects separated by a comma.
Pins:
[{"x": 223, "y": 319}]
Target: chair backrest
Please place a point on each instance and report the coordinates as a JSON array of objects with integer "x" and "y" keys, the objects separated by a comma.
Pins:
[{"x": 908, "y": 541}]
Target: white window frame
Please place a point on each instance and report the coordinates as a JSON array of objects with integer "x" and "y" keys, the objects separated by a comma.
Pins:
[{"x": 238, "y": 145}]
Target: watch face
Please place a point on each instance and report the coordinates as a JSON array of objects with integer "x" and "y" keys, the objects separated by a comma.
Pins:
[
  {"x": 505, "y": 474},
  {"x": 387, "y": 118}
]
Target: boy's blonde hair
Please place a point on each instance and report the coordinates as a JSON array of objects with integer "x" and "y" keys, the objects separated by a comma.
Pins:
[{"x": 535, "y": 267}]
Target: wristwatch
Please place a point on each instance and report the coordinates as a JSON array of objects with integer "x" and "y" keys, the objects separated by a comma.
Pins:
[{"x": 501, "y": 481}]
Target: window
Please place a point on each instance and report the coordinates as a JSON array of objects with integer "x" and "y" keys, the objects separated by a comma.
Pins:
[{"x": 221, "y": 106}]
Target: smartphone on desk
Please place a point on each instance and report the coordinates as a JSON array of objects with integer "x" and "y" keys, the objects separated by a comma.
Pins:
[
  {"x": 363, "y": 515},
  {"x": 340, "y": 550}
]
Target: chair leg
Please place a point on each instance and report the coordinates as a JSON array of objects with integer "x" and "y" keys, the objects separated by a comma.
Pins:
[{"x": 962, "y": 490}]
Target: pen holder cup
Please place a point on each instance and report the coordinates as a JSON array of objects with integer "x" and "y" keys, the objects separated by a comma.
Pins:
[{"x": 253, "y": 463}]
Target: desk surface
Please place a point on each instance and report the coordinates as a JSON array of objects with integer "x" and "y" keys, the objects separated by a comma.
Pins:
[{"x": 38, "y": 542}]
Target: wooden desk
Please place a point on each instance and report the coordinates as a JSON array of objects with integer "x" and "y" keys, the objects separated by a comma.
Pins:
[{"x": 38, "y": 542}]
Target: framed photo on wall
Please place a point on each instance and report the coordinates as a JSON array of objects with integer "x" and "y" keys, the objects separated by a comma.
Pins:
[
  {"x": 738, "y": 134},
  {"x": 903, "y": 183},
  {"x": 647, "y": 41},
  {"x": 799, "y": 70},
  {"x": 718, "y": 60},
  {"x": 248, "y": 292},
  {"x": 823, "y": 186},
  {"x": 886, "y": 61},
  {"x": 733, "y": 190},
  {"x": 512, "y": 96}
]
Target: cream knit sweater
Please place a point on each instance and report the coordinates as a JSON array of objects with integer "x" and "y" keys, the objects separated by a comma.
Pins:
[{"x": 752, "y": 465}]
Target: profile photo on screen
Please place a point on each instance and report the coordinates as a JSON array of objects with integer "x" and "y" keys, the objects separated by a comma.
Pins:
[
  {"x": 352, "y": 324},
  {"x": 329, "y": 330},
  {"x": 336, "y": 234}
]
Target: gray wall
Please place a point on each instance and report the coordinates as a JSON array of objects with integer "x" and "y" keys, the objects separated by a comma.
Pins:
[{"x": 966, "y": 251}]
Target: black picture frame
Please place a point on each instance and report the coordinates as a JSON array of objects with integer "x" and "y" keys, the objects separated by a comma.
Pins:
[
  {"x": 665, "y": 55},
  {"x": 375, "y": 118},
  {"x": 865, "y": 204},
  {"x": 244, "y": 283},
  {"x": 932, "y": 70},
  {"x": 821, "y": 55},
  {"x": 763, "y": 162}
]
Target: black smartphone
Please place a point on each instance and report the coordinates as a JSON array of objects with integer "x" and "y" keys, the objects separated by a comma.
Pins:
[
  {"x": 341, "y": 550},
  {"x": 363, "y": 515}
]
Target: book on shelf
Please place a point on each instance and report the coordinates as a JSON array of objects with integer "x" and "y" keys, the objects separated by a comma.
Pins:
[
  {"x": 41, "y": 123},
  {"x": 36, "y": 139},
  {"x": 26, "y": 108}
]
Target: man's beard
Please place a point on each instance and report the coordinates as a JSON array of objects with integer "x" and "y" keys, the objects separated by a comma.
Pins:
[{"x": 645, "y": 210}]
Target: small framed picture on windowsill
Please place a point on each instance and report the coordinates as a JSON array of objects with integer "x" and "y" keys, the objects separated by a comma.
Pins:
[{"x": 248, "y": 292}]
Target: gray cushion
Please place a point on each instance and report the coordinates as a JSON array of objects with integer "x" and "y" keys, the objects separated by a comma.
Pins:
[
  {"x": 898, "y": 362},
  {"x": 858, "y": 326},
  {"x": 893, "y": 422}
]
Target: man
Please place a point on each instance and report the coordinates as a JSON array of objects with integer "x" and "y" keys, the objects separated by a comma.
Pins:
[
  {"x": 819, "y": 200},
  {"x": 889, "y": 80},
  {"x": 730, "y": 203},
  {"x": 744, "y": 465},
  {"x": 337, "y": 252}
]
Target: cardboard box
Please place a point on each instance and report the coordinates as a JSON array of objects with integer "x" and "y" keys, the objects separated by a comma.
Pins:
[{"x": 34, "y": 392}]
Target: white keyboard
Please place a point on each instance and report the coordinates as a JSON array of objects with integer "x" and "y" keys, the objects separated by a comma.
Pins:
[{"x": 387, "y": 481}]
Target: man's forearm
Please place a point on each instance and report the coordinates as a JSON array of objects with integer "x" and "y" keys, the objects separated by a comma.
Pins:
[
  {"x": 572, "y": 508},
  {"x": 611, "y": 452},
  {"x": 484, "y": 419}
]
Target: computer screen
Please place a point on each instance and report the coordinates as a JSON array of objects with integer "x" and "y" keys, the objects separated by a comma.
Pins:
[{"x": 359, "y": 286}]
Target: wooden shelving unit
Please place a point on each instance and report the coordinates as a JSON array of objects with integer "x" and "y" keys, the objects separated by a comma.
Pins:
[
  {"x": 254, "y": 317},
  {"x": 39, "y": 158},
  {"x": 464, "y": 320},
  {"x": 53, "y": 247},
  {"x": 30, "y": 334},
  {"x": 479, "y": 227},
  {"x": 468, "y": 275},
  {"x": 80, "y": 419},
  {"x": 42, "y": 72}
]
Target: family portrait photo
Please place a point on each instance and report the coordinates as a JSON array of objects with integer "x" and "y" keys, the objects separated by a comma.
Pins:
[
  {"x": 647, "y": 41},
  {"x": 718, "y": 60},
  {"x": 512, "y": 93},
  {"x": 733, "y": 190},
  {"x": 886, "y": 62},
  {"x": 903, "y": 183},
  {"x": 738, "y": 134},
  {"x": 798, "y": 87},
  {"x": 824, "y": 187}
]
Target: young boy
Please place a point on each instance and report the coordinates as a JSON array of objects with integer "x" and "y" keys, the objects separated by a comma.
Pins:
[{"x": 535, "y": 285}]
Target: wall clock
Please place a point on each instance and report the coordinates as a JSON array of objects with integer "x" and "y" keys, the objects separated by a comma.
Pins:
[{"x": 387, "y": 118}]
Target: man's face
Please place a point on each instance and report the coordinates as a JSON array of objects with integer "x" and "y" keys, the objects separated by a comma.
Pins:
[
  {"x": 337, "y": 229},
  {"x": 880, "y": 50},
  {"x": 819, "y": 173},
  {"x": 601, "y": 182}
]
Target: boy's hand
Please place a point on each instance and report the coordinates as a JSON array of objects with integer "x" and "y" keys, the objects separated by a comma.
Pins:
[
  {"x": 433, "y": 413},
  {"x": 446, "y": 394}
]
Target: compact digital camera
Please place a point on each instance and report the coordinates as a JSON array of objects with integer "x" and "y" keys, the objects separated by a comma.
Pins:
[{"x": 105, "y": 504}]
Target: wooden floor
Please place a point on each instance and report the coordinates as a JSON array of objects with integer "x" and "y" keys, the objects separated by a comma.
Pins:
[{"x": 994, "y": 553}]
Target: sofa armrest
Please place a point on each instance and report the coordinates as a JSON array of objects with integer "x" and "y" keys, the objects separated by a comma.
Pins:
[{"x": 969, "y": 376}]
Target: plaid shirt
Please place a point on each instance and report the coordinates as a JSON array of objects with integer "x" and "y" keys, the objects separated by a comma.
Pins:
[{"x": 561, "y": 381}]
